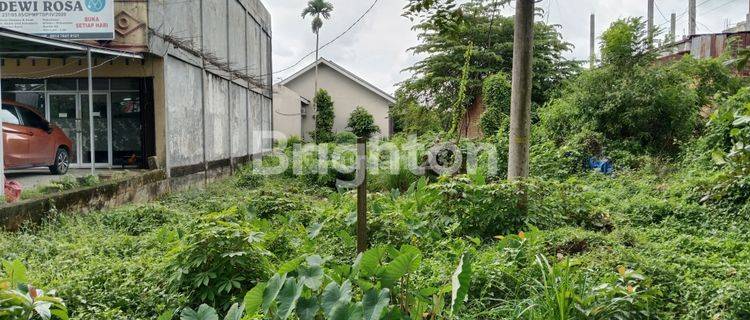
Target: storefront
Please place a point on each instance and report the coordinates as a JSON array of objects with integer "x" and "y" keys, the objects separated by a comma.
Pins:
[{"x": 122, "y": 109}]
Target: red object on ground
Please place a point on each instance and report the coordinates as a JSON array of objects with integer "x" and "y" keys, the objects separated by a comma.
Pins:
[{"x": 12, "y": 191}]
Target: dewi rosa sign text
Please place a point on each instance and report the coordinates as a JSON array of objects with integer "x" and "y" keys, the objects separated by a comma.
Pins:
[{"x": 41, "y": 6}]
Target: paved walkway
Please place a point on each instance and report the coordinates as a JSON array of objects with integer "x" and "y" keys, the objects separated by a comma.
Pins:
[{"x": 31, "y": 178}]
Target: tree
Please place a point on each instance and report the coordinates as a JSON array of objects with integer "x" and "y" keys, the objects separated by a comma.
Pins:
[
  {"x": 324, "y": 119},
  {"x": 362, "y": 123},
  {"x": 496, "y": 98},
  {"x": 444, "y": 42},
  {"x": 319, "y": 10}
]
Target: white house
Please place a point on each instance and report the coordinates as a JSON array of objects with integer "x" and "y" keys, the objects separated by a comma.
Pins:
[{"x": 293, "y": 114}]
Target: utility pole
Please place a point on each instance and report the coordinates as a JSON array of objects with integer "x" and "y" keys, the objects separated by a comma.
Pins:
[
  {"x": 673, "y": 28},
  {"x": 692, "y": 12},
  {"x": 651, "y": 30},
  {"x": 747, "y": 23},
  {"x": 520, "y": 110},
  {"x": 592, "y": 44}
]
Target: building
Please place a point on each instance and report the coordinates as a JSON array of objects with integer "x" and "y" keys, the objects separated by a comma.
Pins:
[
  {"x": 199, "y": 99},
  {"x": 713, "y": 45},
  {"x": 292, "y": 100}
]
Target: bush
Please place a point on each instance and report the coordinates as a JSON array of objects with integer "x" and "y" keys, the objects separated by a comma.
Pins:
[
  {"x": 496, "y": 98},
  {"x": 221, "y": 258},
  {"x": 323, "y": 118},
  {"x": 346, "y": 137},
  {"x": 362, "y": 123}
]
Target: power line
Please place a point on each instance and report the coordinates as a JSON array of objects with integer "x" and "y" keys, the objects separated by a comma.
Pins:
[{"x": 329, "y": 42}]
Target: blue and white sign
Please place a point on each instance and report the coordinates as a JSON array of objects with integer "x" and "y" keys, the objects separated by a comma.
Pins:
[{"x": 60, "y": 19}]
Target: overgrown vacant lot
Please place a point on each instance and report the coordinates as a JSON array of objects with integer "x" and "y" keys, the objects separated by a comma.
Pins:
[{"x": 213, "y": 246}]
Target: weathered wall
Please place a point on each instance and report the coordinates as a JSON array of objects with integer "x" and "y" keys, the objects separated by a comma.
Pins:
[
  {"x": 228, "y": 43},
  {"x": 184, "y": 113}
]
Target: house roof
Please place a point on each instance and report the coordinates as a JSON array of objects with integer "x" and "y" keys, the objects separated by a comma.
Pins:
[{"x": 344, "y": 72}]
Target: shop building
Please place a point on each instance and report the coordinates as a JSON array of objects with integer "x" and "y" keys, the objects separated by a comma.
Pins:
[{"x": 198, "y": 99}]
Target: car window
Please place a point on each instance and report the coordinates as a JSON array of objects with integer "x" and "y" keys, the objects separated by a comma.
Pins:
[
  {"x": 31, "y": 119},
  {"x": 9, "y": 114}
]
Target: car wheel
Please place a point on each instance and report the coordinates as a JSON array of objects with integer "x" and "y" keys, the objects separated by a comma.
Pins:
[{"x": 62, "y": 162}]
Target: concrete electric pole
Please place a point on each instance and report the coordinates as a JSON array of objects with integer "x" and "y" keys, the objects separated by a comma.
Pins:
[
  {"x": 692, "y": 12},
  {"x": 747, "y": 23},
  {"x": 520, "y": 107},
  {"x": 673, "y": 28},
  {"x": 592, "y": 44},
  {"x": 651, "y": 30}
]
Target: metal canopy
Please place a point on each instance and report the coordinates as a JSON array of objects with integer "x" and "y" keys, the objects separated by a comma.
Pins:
[
  {"x": 14, "y": 44},
  {"x": 19, "y": 45}
]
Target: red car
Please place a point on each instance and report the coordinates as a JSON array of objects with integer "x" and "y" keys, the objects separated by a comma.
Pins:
[{"x": 31, "y": 141}]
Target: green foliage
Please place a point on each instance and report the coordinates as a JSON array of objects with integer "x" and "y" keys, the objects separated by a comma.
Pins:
[
  {"x": 361, "y": 123},
  {"x": 22, "y": 301},
  {"x": 323, "y": 118},
  {"x": 496, "y": 98},
  {"x": 410, "y": 117},
  {"x": 319, "y": 10},
  {"x": 221, "y": 257},
  {"x": 346, "y": 137},
  {"x": 437, "y": 78},
  {"x": 625, "y": 44}
]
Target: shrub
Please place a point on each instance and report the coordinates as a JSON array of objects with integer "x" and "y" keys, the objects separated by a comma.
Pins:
[
  {"x": 362, "y": 123},
  {"x": 221, "y": 258},
  {"x": 496, "y": 98},
  {"x": 346, "y": 137},
  {"x": 324, "y": 117}
]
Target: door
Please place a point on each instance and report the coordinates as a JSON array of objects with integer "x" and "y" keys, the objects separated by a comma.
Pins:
[
  {"x": 63, "y": 113},
  {"x": 16, "y": 142},
  {"x": 41, "y": 146},
  {"x": 101, "y": 129}
]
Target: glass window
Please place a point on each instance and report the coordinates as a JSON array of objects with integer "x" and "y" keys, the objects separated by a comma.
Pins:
[
  {"x": 9, "y": 114},
  {"x": 34, "y": 99},
  {"x": 99, "y": 84},
  {"x": 125, "y": 84},
  {"x": 61, "y": 84},
  {"x": 31, "y": 119}
]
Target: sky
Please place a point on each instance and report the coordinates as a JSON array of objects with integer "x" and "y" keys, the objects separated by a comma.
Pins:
[{"x": 376, "y": 49}]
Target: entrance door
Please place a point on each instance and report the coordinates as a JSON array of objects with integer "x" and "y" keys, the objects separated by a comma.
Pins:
[
  {"x": 70, "y": 112},
  {"x": 63, "y": 113},
  {"x": 101, "y": 129}
]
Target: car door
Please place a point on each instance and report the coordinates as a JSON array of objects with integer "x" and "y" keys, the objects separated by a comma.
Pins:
[
  {"x": 15, "y": 139},
  {"x": 41, "y": 144}
]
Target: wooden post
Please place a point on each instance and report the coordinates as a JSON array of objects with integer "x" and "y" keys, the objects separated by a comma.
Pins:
[
  {"x": 362, "y": 195},
  {"x": 592, "y": 42},
  {"x": 520, "y": 113},
  {"x": 692, "y": 13}
]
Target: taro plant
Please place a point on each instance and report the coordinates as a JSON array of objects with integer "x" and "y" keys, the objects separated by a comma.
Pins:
[
  {"x": 376, "y": 286},
  {"x": 22, "y": 301}
]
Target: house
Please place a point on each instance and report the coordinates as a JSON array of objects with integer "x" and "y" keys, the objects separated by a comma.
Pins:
[
  {"x": 293, "y": 114},
  {"x": 195, "y": 92}
]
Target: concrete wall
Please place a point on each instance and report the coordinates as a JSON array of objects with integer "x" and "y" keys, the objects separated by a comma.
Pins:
[
  {"x": 287, "y": 116},
  {"x": 346, "y": 93},
  {"x": 226, "y": 43}
]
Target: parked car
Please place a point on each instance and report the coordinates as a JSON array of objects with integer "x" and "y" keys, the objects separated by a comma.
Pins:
[{"x": 31, "y": 141}]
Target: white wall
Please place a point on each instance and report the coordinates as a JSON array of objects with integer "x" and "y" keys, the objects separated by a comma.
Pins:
[
  {"x": 287, "y": 118},
  {"x": 346, "y": 94}
]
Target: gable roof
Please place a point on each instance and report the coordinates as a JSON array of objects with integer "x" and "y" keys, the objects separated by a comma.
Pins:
[{"x": 344, "y": 72}]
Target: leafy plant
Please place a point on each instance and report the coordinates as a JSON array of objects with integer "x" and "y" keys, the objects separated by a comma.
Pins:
[
  {"x": 324, "y": 117},
  {"x": 22, "y": 301},
  {"x": 362, "y": 123}
]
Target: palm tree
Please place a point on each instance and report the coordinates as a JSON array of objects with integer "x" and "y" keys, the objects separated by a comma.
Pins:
[{"x": 319, "y": 10}]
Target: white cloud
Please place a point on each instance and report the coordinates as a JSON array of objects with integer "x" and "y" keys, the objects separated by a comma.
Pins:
[{"x": 376, "y": 49}]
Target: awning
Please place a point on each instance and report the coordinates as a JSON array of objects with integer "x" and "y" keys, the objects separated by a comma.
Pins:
[
  {"x": 19, "y": 45},
  {"x": 14, "y": 44}
]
